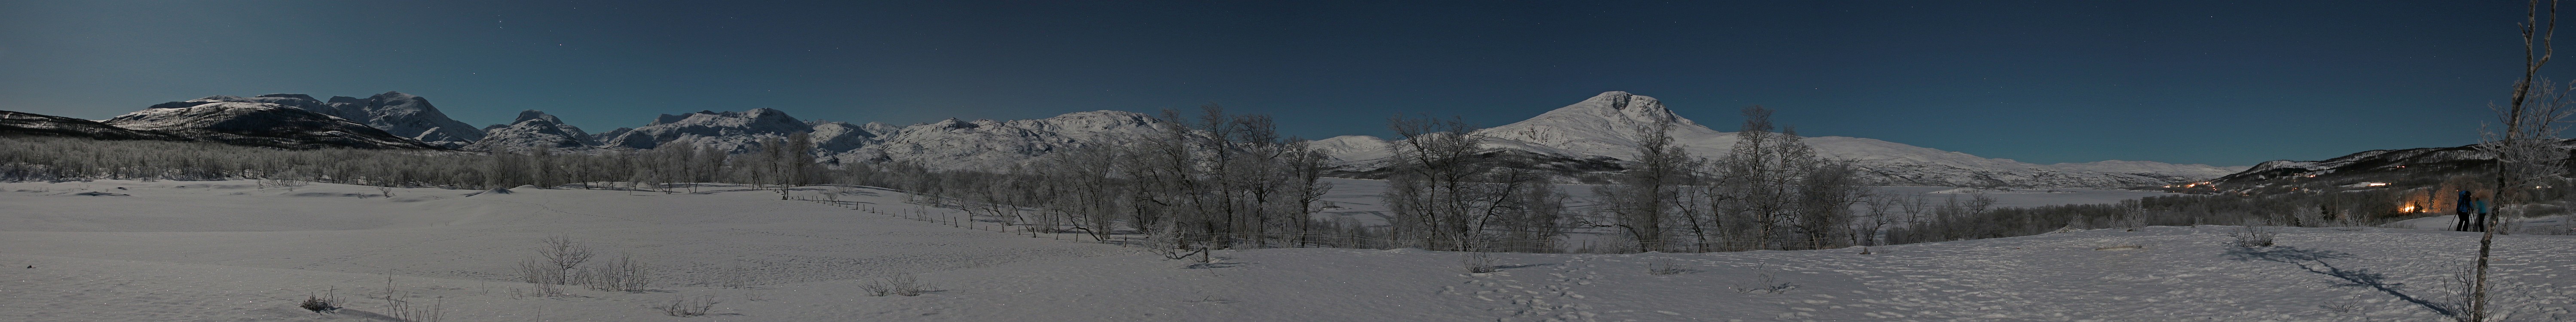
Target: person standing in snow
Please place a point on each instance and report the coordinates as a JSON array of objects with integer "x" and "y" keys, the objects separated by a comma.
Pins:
[{"x": 2460, "y": 210}]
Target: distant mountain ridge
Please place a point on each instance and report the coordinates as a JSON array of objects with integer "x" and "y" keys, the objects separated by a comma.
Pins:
[
  {"x": 404, "y": 115},
  {"x": 262, "y": 124},
  {"x": 2375, "y": 165},
  {"x": 1607, "y": 124},
  {"x": 533, "y": 130},
  {"x": 16, "y": 123},
  {"x": 1590, "y": 136}
]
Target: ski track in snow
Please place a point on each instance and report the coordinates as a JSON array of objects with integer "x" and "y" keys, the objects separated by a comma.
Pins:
[{"x": 231, "y": 251}]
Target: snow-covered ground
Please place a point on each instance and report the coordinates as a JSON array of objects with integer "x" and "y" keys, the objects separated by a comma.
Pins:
[
  {"x": 1358, "y": 199},
  {"x": 233, "y": 251}
]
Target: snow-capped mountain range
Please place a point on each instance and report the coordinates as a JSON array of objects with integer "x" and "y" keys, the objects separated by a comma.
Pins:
[
  {"x": 533, "y": 130},
  {"x": 403, "y": 115},
  {"x": 262, "y": 124},
  {"x": 1608, "y": 124},
  {"x": 1588, "y": 136}
]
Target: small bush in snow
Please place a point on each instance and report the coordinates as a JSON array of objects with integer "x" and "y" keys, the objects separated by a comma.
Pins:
[
  {"x": 1666, "y": 266},
  {"x": 1766, "y": 284},
  {"x": 689, "y": 306},
  {"x": 902, "y": 284},
  {"x": 1477, "y": 263},
  {"x": 2252, "y": 236},
  {"x": 621, "y": 274},
  {"x": 2462, "y": 286},
  {"x": 327, "y": 303}
]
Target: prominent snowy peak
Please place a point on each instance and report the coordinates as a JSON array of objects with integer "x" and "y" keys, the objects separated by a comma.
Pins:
[
  {"x": 533, "y": 130},
  {"x": 1604, "y": 125},
  {"x": 408, "y": 116},
  {"x": 994, "y": 145},
  {"x": 262, "y": 124},
  {"x": 735, "y": 132},
  {"x": 835, "y": 137},
  {"x": 1351, "y": 149},
  {"x": 602, "y": 137},
  {"x": 15, "y": 123},
  {"x": 403, "y": 115},
  {"x": 568, "y": 129}
]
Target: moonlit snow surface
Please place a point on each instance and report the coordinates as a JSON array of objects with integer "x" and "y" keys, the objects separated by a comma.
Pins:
[{"x": 234, "y": 251}]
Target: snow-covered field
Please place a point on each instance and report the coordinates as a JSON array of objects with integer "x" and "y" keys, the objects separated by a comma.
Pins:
[
  {"x": 233, "y": 251},
  {"x": 1358, "y": 199}
]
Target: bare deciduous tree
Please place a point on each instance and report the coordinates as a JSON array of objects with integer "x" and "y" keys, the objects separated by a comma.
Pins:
[{"x": 2527, "y": 150}]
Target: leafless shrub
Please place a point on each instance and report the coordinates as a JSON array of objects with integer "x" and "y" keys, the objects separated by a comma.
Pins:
[
  {"x": 544, "y": 275},
  {"x": 565, "y": 254},
  {"x": 2251, "y": 236},
  {"x": 1666, "y": 266},
  {"x": 397, "y": 304},
  {"x": 902, "y": 284},
  {"x": 329, "y": 302},
  {"x": 2461, "y": 285},
  {"x": 735, "y": 276},
  {"x": 689, "y": 306},
  {"x": 1169, "y": 243},
  {"x": 1476, "y": 262},
  {"x": 403, "y": 310},
  {"x": 2341, "y": 307},
  {"x": 558, "y": 262},
  {"x": 620, "y": 274},
  {"x": 1764, "y": 283}
]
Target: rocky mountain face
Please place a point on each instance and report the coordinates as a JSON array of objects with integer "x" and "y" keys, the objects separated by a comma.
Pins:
[
  {"x": 15, "y": 123},
  {"x": 733, "y": 132},
  {"x": 533, "y": 130},
  {"x": 947, "y": 145},
  {"x": 2374, "y": 165},
  {"x": 262, "y": 124},
  {"x": 1607, "y": 125},
  {"x": 401, "y": 114},
  {"x": 986, "y": 144},
  {"x": 408, "y": 116}
]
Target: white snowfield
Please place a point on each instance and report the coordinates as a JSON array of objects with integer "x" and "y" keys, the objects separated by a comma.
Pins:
[{"x": 233, "y": 251}]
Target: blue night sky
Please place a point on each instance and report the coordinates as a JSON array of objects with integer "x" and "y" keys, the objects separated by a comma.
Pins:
[{"x": 2042, "y": 82}]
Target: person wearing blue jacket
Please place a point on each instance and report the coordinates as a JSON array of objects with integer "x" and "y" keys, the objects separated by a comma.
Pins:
[{"x": 2467, "y": 209}]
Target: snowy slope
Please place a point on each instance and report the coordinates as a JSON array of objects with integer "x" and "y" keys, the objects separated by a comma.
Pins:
[
  {"x": 994, "y": 145},
  {"x": 233, "y": 251},
  {"x": 16, "y": 123},
  {"x": 408, "y": 116},
  {"x": 533, "y": 130},
  {"x": 947, "y": 145},
  {"x": 1608, "y": 125},
  {"x": 2152, "y": 169},
  {"x": 733, "y": 132},
  {"x": 401, "y": 114},
  {"x": 2376, "y": 162},
  {"x": 262, "y": 124},
  {"x": 1353, "y": 149}
]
